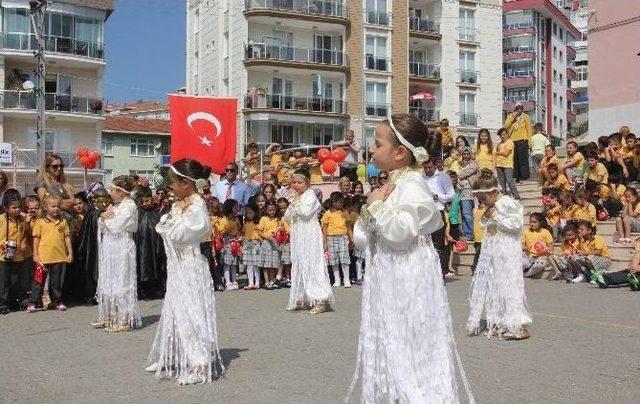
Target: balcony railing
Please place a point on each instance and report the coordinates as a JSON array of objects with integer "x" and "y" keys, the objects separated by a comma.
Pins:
[
  {"x": 518, "y": 73},
  {"x": 468, "y": 119},
  {"x": 53, "y": 102},
  {"x": 581, "y": 99},
  {"x": 378, "y": 110},
  {"x": 518, "y": 49},
  {"x": 426, "y": 70},
  {"x": 27, "y": 42},
  {"x": 519, "y": 98},
  {"x": 27, "y": 159},
  {"x": 377, "y": 18},
  {"x": 422, "y": 25},
  {"x": 517, "y": 25},
  {"x": 293, "y": 103},
  {"x": 256, "y": 51},
  {"x": 329, "y": 8},
  {"x": 467, "y": 34},
  {"x": 426, "y": 114},
  {"x": 469, "y": 76},
  {"x": 377, "y": 63}
]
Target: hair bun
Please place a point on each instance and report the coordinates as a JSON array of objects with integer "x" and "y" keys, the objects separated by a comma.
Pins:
[
  {"x": 206, "y": 172},
  {"x": 486, "y": 173}
]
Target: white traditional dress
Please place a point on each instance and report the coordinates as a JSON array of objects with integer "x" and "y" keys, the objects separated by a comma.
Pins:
[
  {"x": 117, "y": 289},
  {"x": 406, "y": 349},
  {"x": 186, "y": 340},
  {"x": 309, "y": 277},
  {"x": 498, "y": 283}
]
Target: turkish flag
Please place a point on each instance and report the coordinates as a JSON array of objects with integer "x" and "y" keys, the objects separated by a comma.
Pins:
[{"x": 204, "y": 129}]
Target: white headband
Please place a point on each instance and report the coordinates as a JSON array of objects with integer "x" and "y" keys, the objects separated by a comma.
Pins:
[
  {"x": 419, "y": 153},
  {"x": 200, "y": 182},
  {"x": 478, "y": 191},
  {"x": 119, "y": 188}
]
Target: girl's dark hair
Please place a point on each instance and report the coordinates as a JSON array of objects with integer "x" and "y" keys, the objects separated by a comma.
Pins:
[
  {"x": 303, "y": 172},
  {"x": 541, "y": 219},
  {"x": 464, "y": 139},
  {"x": 590, "y": 185},
  {"x": 126, "y": 182},
  {"x": 486, "y": 180},
  {"x": 571, "y": 225},
  {"x": 501, "y": 130},
  {"x": 354, "y": 184},
  {"x": 100, "y": 193},
  {"x": 10, "y": 196},
  {"x": 588, "y": 225},
  {"x": 271, "y": 202},
  {"x": 228, "y": 205},
  {"x": 143, "y": 192},
  {"x": 192, "y": 168},
  {"x": 489, "y": 141},
  {"x": 616, "y": 136},
  {"x": 282, "y": 200},
  {"x": 359, "y": 201},
  {"x": 273, "y": 188},
  {"x": 633, "y": 192},
  {"x": 603, "y": 141},
  {"x": 336, "y": 197},
  {"x": 416, "y": 132},
  {"x": 254, "y": 208}
]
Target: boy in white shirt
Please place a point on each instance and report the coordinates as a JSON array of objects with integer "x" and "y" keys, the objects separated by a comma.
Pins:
[{"x": 537, "y": 145}]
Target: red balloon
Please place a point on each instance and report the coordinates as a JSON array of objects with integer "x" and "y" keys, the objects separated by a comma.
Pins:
[
  {"x": 338, "y": 154},
  {"x": 81, "y": 152},
  {"x": 93, "y": 155},
  {"x": 85, "y": 161},
  {"x": 329, "y": 166},
  {"x": 323, "y": 154},
  {"x": 92, "y": 164}
]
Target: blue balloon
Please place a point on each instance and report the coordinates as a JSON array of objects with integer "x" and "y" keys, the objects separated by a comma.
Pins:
[{"x": 372, "y": 170}]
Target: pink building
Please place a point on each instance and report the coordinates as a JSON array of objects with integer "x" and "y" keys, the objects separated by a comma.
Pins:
[{"x": 614, "y": 66}]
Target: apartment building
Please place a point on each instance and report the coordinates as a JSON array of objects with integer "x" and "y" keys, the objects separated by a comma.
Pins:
[
  {"x": 75, "y": 63},
  {"x": 140, "y": 110},
  {"x": 304, "y": 71},
  {"x": 538, "y": 60},
  {"x": 580, "y": 19}
]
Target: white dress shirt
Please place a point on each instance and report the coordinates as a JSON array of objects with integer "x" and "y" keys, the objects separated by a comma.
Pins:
[{"x": 441, "y": 187}]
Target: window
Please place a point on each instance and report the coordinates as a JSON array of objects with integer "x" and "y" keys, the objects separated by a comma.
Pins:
[
  {"x": 555, "y": 76},
  {"x": 523, "y": 43},
  {"x": 555, "y": 99},
  {"x": 561, "y": 57},
  {"x": 467, "y": 28},
  {"x": 142, "y": 173},
  {"x": 142, "y": 148},
  {"x": 561, "y": 124},
  {"x": 376, "y": 53},
  {"x": 517, "y": 19},
  {"x": 376, "y": 99},
  {"x": 561, "y": 34},
  {"x": 518, "y": 68},
  {"x": 555, "y": 52},
  {"x": 561, "y": 104},
  {"x": 468, "y": 73},
  {"x": 555, "y": 29},
  {"x": 468, "y": 117},
  {"x": 582, "y": 73},
  {"x": 555, "y": 122},
  {"x": 561, "y": 79},
  {"x": 377, "y": 12},
  {"x": 107, "y": 145}
]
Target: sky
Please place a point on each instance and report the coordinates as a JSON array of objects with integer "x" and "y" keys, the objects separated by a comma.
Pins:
[{"x": 145, "y": 50}]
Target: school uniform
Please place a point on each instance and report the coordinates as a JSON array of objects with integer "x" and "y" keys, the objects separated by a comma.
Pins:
[
  {"x": 285, "y": 249},
  {"x": 597, "y": 254},
  {"x": 230, "y": 229},
  {"x": 12, "y": 270},
  {"x": 532, "y": 261},
  {"x": 270, "y": 251},
  {"x": 337, "y": 237},
  {"x": 250, "y": 244},
  {"x": 53, "y": 254}
]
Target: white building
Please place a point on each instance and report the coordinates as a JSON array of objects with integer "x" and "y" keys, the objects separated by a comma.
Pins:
[
  {"x": 306, "y": 70},
  {"x": 580, "y": 19}
]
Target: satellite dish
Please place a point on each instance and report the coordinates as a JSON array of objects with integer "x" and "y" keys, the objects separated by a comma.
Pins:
[{"x": 28, "y": 85}]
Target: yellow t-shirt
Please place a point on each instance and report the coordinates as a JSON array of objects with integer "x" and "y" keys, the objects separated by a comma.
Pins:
[
  {"x": 276, "y": 160},
  {"x": 505, "y": 147},
  {"x": 478, "y": 230},
  {"x": 605, "y": 193},
  {"x": 568, "y": 213},
  {"x": 570, "y": 248},
  {"x": 52, "y": 233},
  {"x": 336, "y": 222},
  {"x": 484, "y": 157},
  {"x": 214, "y": 226},
  {"x": 636, "y": 246},
  {"x": 250, "y": 231},
  {"x": 254, "y": 167},
  {"x": 560, "y": 182},
  {"x": 18, "y": 232},
  {"x": 268, "y": 227},
  {"x": 587, "y": 213},
  {"x": 595, "y": 246},
  {"x": 553, "y": 215},
  {"x": 447, "y": 137},
  {"x": 521, "y": 130},
  {"x": 598, "y": 173},
  {"x": 530, "y": 238},
  {"x": 577, "y": 157},
  {"x": 451, "y": 164},
  {"x": 228, "y": 227},
  {"x": 315, "y": 174},
  {"x": 352, "y": 217}
]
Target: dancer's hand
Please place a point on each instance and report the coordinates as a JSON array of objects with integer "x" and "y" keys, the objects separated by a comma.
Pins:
[{"x": 381, "y": 194}]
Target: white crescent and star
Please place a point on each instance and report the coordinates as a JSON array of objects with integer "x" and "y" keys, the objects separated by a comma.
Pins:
[{"x": 204, "y": 116}]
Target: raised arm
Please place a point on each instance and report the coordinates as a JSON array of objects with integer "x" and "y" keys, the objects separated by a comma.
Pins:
[
  {"x": 194, "y": 225},
  {"x": 509, "y": 215},
  {"x": 125, "y": 219}
]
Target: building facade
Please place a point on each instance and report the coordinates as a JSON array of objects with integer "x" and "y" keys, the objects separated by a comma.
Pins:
[
  {"x": 304, "y": 71},
  {"x": 133, "y": 146},
  {"x": 614, "y": 63},
  {"x": 139, "y": 110},
  {"x": 580, "y": 19},
  {"x": 538, "y": 62},
  {"x": 75, "y": 63}
]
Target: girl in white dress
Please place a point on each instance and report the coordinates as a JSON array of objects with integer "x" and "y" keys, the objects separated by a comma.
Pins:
[
  {"x": 117, "y": 291},
  {"x": 186, "y": 341},
  {"x": 309, "y": 277},
  {"x": 406, "y": 350},
  {"x": 498, "y": 283}
]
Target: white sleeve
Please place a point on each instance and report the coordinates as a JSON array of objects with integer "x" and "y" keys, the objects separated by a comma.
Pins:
[
  {"x": 306, "y": 208},
  {"x": 194, "y": 226},
  {"x": 509, "y": 215},
  {"x": 125, "y": 219},
  {"x": 414, "y": 213}
]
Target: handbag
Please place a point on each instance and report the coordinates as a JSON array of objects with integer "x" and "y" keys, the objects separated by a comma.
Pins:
[{"x": 40, "y": 273}]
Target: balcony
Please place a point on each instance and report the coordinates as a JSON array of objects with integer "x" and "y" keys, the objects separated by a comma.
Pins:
[
  {"x": 26, "y": 159},
  {"x": 424, "y": 72},
  {"x": 67, "y": 104},
  {"x": 571, "y": 95},
  {"x": 66, "y": 46},
  {"x": 377, "y": 110},
  {"x": 381, "y": 18},
  {"x": 468, "y": 119},
  {"x": 377, "y": 63},
  {"x": 518, "y": 78},
  {"x": 322, "y": 59},
  {"x": 428, "y": 115},
  {"x": 291, "y": 103},
  {"x": 422, "y": 28},
  {"x": 580, "y": 100},
  {"x": 518, "y": 28},
  {"x": 528, "y": 102},
  {"x": 469, "y": 77},
  {"x": 571, "y": 52},
  {"x": 571, "y": 74},
  {"x": 311, "y": 10},
  {"x": 518, "y": 53},
  {"x": 571, "y": 117},
  {"x": 468, "y": 35}
]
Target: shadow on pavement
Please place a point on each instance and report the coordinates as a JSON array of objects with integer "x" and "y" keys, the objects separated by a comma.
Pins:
[
  {"x": 228, "y": 355},
  {"x": 148, "y": 321}
]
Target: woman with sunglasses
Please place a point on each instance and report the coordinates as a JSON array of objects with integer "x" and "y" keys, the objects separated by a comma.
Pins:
[{"x": 51, "y": 180}]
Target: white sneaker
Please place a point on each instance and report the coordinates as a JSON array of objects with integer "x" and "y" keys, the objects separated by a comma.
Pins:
[
  {"x": 153, "y": 367},
  {"x": 347, "y": 285},
  {"x": 336, "y": 284},
  {"x": 579, "y": 278}
]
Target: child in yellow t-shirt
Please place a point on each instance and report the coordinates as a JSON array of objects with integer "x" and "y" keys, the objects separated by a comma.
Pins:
[
  {"x": 629, "y": 222},
  {"x": 229, "y": 227},
  {"x": 270, "y": 251},
  {"x": 452, "y": 163},
  {"x": 593, "y": 253},
  {"x": 537, "y": 246},
  {"x": 555, "y": 180},
  {"x": 504, "y": 164},
  {"x": 585, "y": 210},
  {"x": 563, "y": 263},
  {"x": 337, "y": 236},
  {"x": 251, "y": 247},
  {"x": 14, "y": 233},
  {"x": 478, "y": 234},
  {"x": 51, "y": 248},
  {"x": 549, "y": 158},
  {"x": 284, "y": 272},
  {"x": 552, "y": 213},
  {"x": 252, "y": 160}
]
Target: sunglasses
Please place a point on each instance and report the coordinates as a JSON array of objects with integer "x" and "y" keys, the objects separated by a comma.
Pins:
[
  {"x": 56, "y": 166},
  {"x": 230, "y": 170}
]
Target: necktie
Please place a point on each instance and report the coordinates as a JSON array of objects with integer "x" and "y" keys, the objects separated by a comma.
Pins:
[{"x": 229, "y": 191}]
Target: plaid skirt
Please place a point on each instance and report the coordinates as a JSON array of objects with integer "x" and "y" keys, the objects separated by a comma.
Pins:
[
  {"x": 634, "y": 223},
  {"x": 270, "y": 254},
  {"x": 598, "y": 262},
  {"x": 529, "y": 261},
  {"x": 227, "y": 256},
  {"x": 251, "y": 252},
  {"x": 285, "y": 254},
  {"x": 358, "y": 253},
  {"x": 338, "y": 247},
  {"x": 563, "y": 262}
]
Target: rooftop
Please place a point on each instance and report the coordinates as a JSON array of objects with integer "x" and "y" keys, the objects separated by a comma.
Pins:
[
  {"x": 133, "y": 107},
  {"x": 106, "y": 5},
  {"x": 125, "y": 124}
]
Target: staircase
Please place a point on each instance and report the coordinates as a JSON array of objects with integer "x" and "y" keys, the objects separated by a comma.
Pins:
[{"x": 530, "y": 192}]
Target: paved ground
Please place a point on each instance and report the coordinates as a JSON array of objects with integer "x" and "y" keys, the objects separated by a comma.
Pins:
[{"x": 585, "y": 348}]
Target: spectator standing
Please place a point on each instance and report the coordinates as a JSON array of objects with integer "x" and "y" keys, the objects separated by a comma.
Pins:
[
  {"x": 519, "y": 128},
  {"x": 539, "y": 141},
  {"x": 441, "y": 187},
  {"x": 232, "y": 188},
  {"x": 349, "y": 165},
  {"x": 469, "y": 171},
  {"x": 447, "y": 135},
  {"x": 52, "y": 181}
]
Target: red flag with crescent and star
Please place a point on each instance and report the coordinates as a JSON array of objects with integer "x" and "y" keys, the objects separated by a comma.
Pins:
[{"x": 204, "y": 129}]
